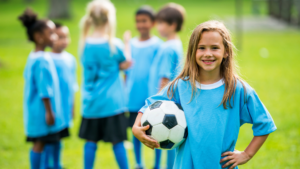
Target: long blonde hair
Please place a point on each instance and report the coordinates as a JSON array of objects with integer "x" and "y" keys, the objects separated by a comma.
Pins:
[
  {"x": 99, "y": 13},
  {"x": 191, "y": 70}
]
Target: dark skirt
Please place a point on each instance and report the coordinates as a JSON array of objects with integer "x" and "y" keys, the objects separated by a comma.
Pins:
[
  {"x": 109, "y": 129},
  {"x": 131, "y": 118},
  {"x": 50, "y": 138}
]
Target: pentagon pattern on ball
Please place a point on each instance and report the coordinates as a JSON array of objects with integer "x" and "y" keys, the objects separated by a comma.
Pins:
[
  {"x": 186, "y": 133},
  {"x": 155, "y": 105},
  {"x": 156, "y": 117},
  {"x": 149, "y": 131},
  {"x": 166, "y": 144},
  {"x": 160, "y": 132},
  {"x": 176, "y": 134},
  {"x": 170, "y": 121},
  {"x": 169, "y": 107}
]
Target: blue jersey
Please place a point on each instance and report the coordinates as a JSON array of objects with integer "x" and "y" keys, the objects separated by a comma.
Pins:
[
  {"x": 166, "y": 64},
  {"x": 137, "y": 77},
  {"x": 65, "y": 64},
  {"x": 41, "y": 81},
  {"x": 103, "y": 92},
  {"x": 213, "y": 130}
]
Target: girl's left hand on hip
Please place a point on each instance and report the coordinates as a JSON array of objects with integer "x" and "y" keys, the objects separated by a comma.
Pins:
[{"x": 234, "y": 158}]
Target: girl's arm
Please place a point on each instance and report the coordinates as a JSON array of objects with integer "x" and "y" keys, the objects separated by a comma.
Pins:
[
  {"x": 139, "y": 132},
  {"x": 127, "y": 51},
  {"x": 125, "y": 65},
  {"x": 241, "y": 157},
  {"x": 164, "y": 82},
  {"x": 49, "y": 113}
]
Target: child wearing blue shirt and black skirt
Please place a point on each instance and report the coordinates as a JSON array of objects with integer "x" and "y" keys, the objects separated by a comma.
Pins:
[
  {"x": 103, "y": 95},
  {"x": 43, "y": 118}
]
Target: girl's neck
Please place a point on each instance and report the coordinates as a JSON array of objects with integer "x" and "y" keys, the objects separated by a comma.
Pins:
[
  {"x": 39, "y": 48},
  {"x": 209, "y": 77},
  {"x": 99, "y": 32},
  {"x": 172, "y": 36},
  {"x": 145, "y": 37}
]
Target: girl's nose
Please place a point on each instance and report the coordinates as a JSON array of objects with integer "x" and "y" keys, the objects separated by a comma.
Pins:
[{"x": 208, "y": 53}]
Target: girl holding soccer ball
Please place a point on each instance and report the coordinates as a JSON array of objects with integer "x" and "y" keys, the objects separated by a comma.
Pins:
[{"x": 216, "y": 103}]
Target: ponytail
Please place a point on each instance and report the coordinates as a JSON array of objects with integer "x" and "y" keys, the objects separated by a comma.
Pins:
[{"x": 100, "y": 13}]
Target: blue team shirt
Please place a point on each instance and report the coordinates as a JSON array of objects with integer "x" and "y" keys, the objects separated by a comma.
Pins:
[
  {"x": 103, "y": 92},
  {"x": 65, "y": 64},
  {"x": 41, "y": 81},
  {"x": 137, "y": 77},
  {"x": 166, "y": 64},
  {"x": 213, "y": 130}
]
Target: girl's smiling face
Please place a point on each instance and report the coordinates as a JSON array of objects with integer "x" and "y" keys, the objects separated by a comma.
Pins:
[{"x": 211, "y": 51}]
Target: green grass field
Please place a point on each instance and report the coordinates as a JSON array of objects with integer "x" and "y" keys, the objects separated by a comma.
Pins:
[{"x": 275, "y": 78}]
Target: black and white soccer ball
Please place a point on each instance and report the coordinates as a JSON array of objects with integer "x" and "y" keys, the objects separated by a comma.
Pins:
[{"x": 167, "y": 124}]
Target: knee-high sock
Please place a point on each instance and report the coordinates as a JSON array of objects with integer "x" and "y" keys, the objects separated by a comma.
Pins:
[
  {"x": 35, "y": 159},
  {"x": 157, "y": 158},
  {"x": 48, "y": 154},
  {"x": 89, "y": 154},
  {"x": 170, "y": 158},
  {"x": 56, "y": 155},
  {"x": 121, "y": 155},
  {"x": 137, "y": 151}
]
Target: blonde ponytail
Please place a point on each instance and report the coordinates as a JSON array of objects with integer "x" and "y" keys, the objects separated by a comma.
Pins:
[{"x": 99, "y": 13}]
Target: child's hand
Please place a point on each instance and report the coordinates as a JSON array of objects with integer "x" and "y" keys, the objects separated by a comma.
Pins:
[
  {"x": 127, "y": 36},
  {"x": 235, "y": 158},
  {"x": 125, "y": 65},
  {"x": 139, "y": 133},
  {"x": 49, "y": 118}
]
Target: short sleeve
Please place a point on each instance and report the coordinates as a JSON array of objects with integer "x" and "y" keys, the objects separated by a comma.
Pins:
[
  {"x": 162, "y": 95},
  {"x": 167, "y": 64},
  {"x": 254, "y": 112},
  {"x": 44, "y": 80}
]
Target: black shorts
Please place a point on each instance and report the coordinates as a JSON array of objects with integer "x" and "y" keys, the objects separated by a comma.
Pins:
[
  {"x": 50, "y": 138},
  {"x": 131, "y": 118},
  {"x": 109, "y": 129}
]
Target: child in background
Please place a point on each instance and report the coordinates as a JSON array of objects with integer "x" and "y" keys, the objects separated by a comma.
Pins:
[
  {"x": 166, "y": 63},
  {"x": 43, "y": 118},
  {"x": 143, "y": 50},
  {"x": 65, "y": 64},
  {"x": 103, "y": 95},
  {"x": 216, "y": 103}
]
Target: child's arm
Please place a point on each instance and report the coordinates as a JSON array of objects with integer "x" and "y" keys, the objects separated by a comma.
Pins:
[
  {"x": 49, "y": 114},
  {"x": 241, "y": 157},
  {"x": 139, "y": 132},
  {"x": 125, "y": 65},
  {"x": 164, "y": 82},
  {"x": 127, "y": 51}
]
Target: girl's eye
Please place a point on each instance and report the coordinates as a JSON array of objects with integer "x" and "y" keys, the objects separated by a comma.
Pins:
[
  {"x": 215, "y": 48},
  {"x": 201, "y": 48}
]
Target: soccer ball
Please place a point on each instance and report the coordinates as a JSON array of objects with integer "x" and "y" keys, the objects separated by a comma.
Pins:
[{"x": 167, "y": 124}]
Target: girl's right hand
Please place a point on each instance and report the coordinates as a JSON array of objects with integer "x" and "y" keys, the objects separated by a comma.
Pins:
[
  {"x": 50, "y": 118},
  {"x": 140, "y": 133}
]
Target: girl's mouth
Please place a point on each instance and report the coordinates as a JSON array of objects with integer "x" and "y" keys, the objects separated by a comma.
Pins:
[{"x": 208, "y": 62}]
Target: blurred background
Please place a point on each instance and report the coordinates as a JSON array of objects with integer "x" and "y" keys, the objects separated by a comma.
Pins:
[{"x": 267, "y": 36}]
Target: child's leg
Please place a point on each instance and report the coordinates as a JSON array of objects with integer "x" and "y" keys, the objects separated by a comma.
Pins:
[
  {"x": 89, "y": 154},
  {"x": 137, "y": 151},
  {"x": 157, "y": 158},
  {"x": 170, "y": 158},
  {"x": 56, "y": 154},
  {"x": 36, "y": 154},
  {"x": 48, "y": 154},
  {"x": 120, "y": 154}
]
